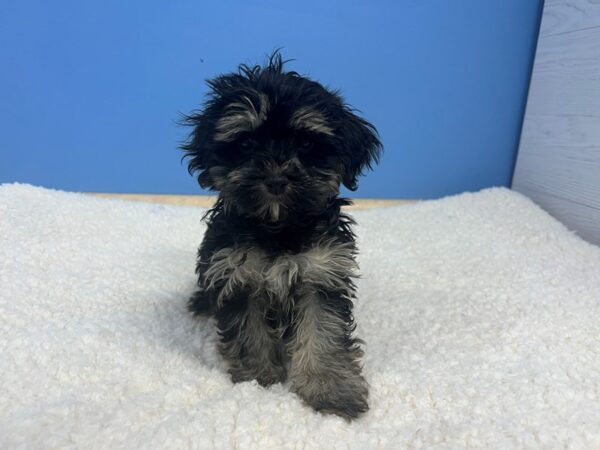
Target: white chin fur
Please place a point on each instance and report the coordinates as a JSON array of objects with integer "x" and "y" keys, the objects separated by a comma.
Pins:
[{"x": 274, "y": 211}]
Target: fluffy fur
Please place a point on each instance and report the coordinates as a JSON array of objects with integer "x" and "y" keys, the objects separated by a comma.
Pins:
[{"x": 277, "y": 261}]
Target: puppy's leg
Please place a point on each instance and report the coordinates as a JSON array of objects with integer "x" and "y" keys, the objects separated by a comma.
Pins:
[
  {"x": 324, "y": 367},
  {"x": 250, "y": 346},
  {"x": 203, "y": 302}
]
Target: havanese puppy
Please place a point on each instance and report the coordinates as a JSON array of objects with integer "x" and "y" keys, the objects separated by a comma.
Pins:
[{"x": 277, "y": 262}]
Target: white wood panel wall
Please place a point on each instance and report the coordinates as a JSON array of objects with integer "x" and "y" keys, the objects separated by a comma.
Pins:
[{"x": 558, "y": 164}]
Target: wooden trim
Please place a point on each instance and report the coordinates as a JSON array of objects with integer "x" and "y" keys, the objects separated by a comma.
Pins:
[{"x": 206, "y": 201}]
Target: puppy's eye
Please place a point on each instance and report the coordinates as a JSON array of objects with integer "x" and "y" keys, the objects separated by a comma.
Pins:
[
  {"x": 306, "y": 145},
  {"x": 247, "y": 144}
]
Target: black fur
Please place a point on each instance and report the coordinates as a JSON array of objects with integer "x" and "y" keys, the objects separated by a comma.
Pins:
[{"x": 276, "y": 264}]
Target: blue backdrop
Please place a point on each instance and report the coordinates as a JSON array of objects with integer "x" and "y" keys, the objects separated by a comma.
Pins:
[{"x": 91, "y": 90}]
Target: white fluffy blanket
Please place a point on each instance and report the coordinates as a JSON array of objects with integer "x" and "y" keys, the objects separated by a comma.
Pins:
[{"x": 481, "y": 315}]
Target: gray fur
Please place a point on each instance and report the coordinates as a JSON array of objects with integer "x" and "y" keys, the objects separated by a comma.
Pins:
[
  {"x": 324, "y": 371},
  {"x": 261, "y": 346},
  {"x": 312, "y": 120},
  {"x": 328, "y": 264},
  {"x": 241, "y": 116},
  {"x": 323, "y": 359}
]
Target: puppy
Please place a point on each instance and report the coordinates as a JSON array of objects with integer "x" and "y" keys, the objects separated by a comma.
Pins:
[{"x": 277, "y": 262}]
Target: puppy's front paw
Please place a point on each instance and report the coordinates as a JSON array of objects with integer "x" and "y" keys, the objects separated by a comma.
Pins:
[
  {"x": 265, "y": 377},
  {"x": 345, "y": 398},
  {"x": 347, "y": 407}
]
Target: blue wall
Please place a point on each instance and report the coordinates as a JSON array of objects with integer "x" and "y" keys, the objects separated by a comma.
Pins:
[{"x": 91, "y": 90}]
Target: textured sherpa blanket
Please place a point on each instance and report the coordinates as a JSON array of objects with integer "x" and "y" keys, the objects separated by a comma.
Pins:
[{"x": 481, "y": 316}]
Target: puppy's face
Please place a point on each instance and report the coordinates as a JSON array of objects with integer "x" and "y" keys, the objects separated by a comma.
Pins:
[{"x": 277, "y": 145}]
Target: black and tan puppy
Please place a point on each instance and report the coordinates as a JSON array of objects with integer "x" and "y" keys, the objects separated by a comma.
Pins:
[{"x": 278, "y": 258}]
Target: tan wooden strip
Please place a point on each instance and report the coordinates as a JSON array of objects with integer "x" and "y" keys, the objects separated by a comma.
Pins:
[{"x": 207, "y": 201}]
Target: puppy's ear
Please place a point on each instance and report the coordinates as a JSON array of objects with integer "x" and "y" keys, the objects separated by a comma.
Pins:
[
  {"x": 361, "y": 147},
  {"x": 198, "y": 147}
]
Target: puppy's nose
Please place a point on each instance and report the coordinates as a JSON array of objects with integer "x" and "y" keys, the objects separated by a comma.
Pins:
[{"x": 276, "y": 184}]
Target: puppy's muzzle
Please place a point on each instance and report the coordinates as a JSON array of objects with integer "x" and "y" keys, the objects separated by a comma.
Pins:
[{"x": 277, "y": 184}]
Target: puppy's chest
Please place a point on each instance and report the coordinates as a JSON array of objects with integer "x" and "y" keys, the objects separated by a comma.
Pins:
[{"x": 327, "y": 264}]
